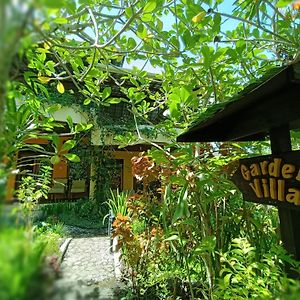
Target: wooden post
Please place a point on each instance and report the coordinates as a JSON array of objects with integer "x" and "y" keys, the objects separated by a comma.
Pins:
[{"x": 289, "y": 218}]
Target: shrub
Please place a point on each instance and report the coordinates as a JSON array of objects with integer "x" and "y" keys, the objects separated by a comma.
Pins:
[{"x": 21, "y": 260}]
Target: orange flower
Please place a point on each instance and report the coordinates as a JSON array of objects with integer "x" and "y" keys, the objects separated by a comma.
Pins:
[{"x": 296, "y": 4}]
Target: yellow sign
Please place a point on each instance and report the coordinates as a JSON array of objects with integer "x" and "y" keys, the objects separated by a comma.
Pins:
[
  {"x": 267, "y": 180},
  {"x": 271, "y": 178}
]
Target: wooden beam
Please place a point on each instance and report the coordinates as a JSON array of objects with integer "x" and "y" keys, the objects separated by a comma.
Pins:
[
  {"x": 250, "y": 121},
  {"x": 289, "y": 218}
]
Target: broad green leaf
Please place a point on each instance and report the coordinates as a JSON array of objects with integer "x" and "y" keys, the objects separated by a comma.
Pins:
[
  {"x": 149, "y": 7},
  {"x": 55, "y": 139},
  {"x": 55, "y": 159},
  {"x": 159, "y": 25},
  {"x": 141, "y": 31},
  {"x": 128, "y": 12},
  {"x": 147, "y": 17},
  {"x": 159, "y": 157},
  {"x": 114, "y": 100},
  {"x": 53, "y": 108},
  {"x": 283, "y": 3},
  {"x": 68, "y": 145},
  {"x": 106, "y": 92},
  {"x": 11, "y": 106},
  {"x": 46, "y": 26},
  {"x": 72, "y": 157},
  {"x": 60, "y": 21},
  {"x": 87, "y": 101},
  {"x": 227, "y": 279},
  {"x": 82, "y": 127},
  {"x": 88, "y": 126},
  {"x": 217, "y": 23},
  {"x": 172, "y": 238},
  {"x": 52, "y": 3},
  {"x": 79, "y": 127},
  {"x": 60, "y": 87},
  {"x": 208, "y": 56},
  {"x": 182, "y": 209},
  {"x": 69, "y": 121},
  {"x": 131, "y": 43}
]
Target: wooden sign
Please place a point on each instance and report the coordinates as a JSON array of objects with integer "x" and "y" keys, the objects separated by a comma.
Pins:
[{"x": 271, "y": 179}]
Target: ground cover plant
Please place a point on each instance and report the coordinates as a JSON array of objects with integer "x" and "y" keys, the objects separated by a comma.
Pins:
[{"x": 84, "y": 213}]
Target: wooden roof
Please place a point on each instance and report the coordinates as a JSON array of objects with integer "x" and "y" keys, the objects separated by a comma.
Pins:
[{"x": 272, "y": 101}]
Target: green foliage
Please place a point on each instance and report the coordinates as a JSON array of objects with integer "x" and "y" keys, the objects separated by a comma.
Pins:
[
  {"x": 51, "y": 241},
  {"x": 117, "y": 202},
  {"x": 21, "y": 264},
  {"x": 32, "y": 189},
  {"x": 49, "y": 227},
  {"x": 84, "y": 213},
  {"x": 202, "y": 230},
  {"x": 206, "y": 55},
  {"x": 244, "y": 277}
]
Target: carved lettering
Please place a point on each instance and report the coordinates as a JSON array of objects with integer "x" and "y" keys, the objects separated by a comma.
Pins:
[
  {"x": 245, "y": 172},
  {"x": 288, "y": 171}
]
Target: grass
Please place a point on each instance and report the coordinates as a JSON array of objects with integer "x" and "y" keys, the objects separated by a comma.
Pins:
[
  {"x": 83, "y": 213},
  {"x": 79, "y": 221}
]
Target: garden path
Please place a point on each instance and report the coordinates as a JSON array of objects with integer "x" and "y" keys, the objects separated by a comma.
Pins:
[{"x": 87, "y": 270}]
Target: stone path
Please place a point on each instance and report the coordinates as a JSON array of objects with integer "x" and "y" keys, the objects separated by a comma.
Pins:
[{"x": 87, "y": 270}]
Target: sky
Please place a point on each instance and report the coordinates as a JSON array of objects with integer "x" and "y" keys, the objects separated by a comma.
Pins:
[{"x": 226, "y": 7}]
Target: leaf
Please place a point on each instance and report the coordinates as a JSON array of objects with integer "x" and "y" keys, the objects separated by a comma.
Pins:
[
  {"x": 128, "y": 12},
  {"x": 182, "y": 209},
  {"x": 44, "y": 79},
  {"x": 60, "y": 87},
  {"x": 79, "y": 127},
  {"x": 46, "y": 26},
  {"x": 208, "y": 56},
  {"x": 131, "y": 43},
  {"x": 55, "y": 139},
  {"x": 68, "y": 145},
  {"x": 60, "y": 21},
  {"x": 70, "y": 122},
  {"x": 227, "y": 280},
  {"x": 141, "y": 31},
  {"x": 149, "y": 7},
  {"x": 82, "y": 127},
  {"x": 172, "y": 238},
  {"x": 46, "y": 46},
  {"x": 147, "y": 17},
  {"x": 114, "y": 100},
  {"x": 199, "y": 17},
  {"x": 53, "y": 3},
  {"x": 217, "y": 23},
  {"x": 88, "y": 126},
  {"x": 87, "y": 101},
  {"x": 53, "y": 108},
  {"x": 159, "y": 157},
  {"x": 72, "y": 157},
  {"x": 55, "y": 159},
  {"x": 283, "y": 3},
  {"x": 106, "y": 92}
]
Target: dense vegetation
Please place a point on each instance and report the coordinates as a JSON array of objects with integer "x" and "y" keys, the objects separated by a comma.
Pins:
[{"x": 194, "y": 237}]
